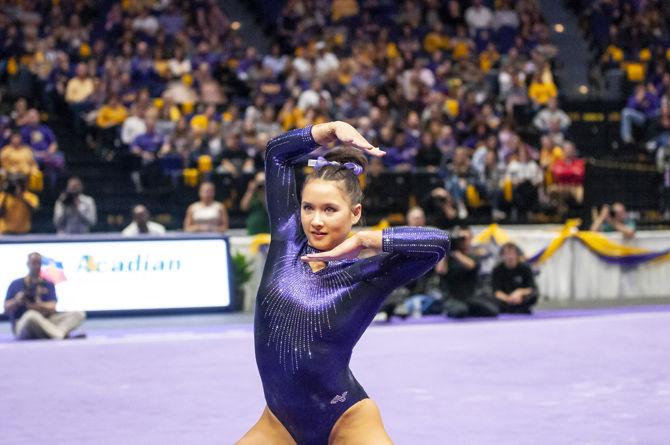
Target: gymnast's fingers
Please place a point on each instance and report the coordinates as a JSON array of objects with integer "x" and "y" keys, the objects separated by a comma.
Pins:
[
  {"x": 365, "y": 146},
  {"x": 312, "y": 257}
]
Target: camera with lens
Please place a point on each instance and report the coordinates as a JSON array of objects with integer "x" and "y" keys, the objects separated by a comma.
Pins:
[
  {"x": 12, "y": 183},
  {"x": 459, "y": 237},
  {"x": 30, "y": 292},
  {"x": 69, "y": 198}
]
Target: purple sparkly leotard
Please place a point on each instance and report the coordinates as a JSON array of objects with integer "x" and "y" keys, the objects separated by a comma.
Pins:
[{"x": 306, "y": 322}]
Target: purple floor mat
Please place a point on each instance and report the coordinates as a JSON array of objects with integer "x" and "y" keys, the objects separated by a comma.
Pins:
[{"x": 581, "y": 377}]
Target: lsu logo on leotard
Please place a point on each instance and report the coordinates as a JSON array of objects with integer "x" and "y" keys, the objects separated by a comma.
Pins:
[{"x": 339, "y": 398}]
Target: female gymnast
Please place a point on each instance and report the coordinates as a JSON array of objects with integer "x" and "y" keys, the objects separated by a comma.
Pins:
[{"x": 317, "y": 298}]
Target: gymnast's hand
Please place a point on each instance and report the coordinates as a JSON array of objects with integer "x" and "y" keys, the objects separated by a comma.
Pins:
[
  {"x": 349, "y": 248},
  {"x": 345, "y": 133}
]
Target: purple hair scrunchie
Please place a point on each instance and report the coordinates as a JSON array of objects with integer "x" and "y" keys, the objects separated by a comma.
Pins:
[{"x": 322, "y": 162}]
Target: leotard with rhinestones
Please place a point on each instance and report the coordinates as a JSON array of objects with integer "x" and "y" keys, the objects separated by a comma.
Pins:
[{"x": 307, "y": 323}]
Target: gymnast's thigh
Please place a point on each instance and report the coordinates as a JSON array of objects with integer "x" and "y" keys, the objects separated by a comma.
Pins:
[
  {"x": 361, "y": 424},
  {"x": 267, "y": 431}
]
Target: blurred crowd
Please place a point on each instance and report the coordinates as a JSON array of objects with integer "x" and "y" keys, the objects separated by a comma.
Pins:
[
  {"x": 462, "y": 90},
  {"x": 632, "y": 37}
]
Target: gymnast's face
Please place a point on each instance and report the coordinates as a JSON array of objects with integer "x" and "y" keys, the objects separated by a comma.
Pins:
[{"x": 327, "y": 214}]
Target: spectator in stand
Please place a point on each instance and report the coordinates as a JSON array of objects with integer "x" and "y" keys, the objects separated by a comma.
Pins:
[
  {"x": 458, "y": 177},
  {"x": 513, "y": 283},
  {"x": 401, "y": 155},
  {"x": 133, "y": 126},
  {"x": 642, "y": 106},
  {"x": 19, "y": 114},
  {"x": 478, "y": 17},
  {"x": 492, "y": 177},
  {"x": 145, "y": 149},
  {"x": 30, "y": 304},
  {"x": 614, "y": 219},
  {"x": 541, "y": 90},
  {"x": 78, "y": 94},
  {"x": 552, "y": 121},
  {"x": 236, "y": 159},
  {"x": 206, "y": 215},
  {"x": 110, "y": 117},
  {"x": 253, "y": 203},
  {"x": 43, "y": 143},
  {"x": 142, "y": 224},
  {"x": 416, "y": 217},
  {"x": 16, "y": 205},
  {"x": 429, "y": 155},
  {"x": 441, "y": 209},
  {"x": 74, "y": 212},
  {"x": 16, "y": 157},
  {"x": 461, "y": 275},
  {"x": 526, "y": 178},
  {"x": 568, "y": 174}
]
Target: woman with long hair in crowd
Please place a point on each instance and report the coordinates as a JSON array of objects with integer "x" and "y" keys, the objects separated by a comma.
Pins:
[{"x": 317, "y": 297}]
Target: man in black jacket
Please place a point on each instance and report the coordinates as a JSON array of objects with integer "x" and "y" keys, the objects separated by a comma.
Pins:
[
  {"x": 461, "y": 277},
  {"x": 513, "y": 284}
]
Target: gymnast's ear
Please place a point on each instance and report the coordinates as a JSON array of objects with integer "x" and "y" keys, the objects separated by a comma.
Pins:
[{"x": 356, "y": 213}]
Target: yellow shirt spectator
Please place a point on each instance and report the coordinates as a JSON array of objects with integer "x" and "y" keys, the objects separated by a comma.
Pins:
[
  {"x": 199, "y": 122},
  {"x": 487, "y": 59},
  {"x": 18, "y": 159},
  {"x": 392, "y": 50},
  {"x": 343, "y": 9},
  {"x": 78, "y": 90},
  {"x": 435, "y": 41},
  {"x": 550, "y": 155},
  {"x": 17, "y": 212},
  {"x": 111, "y": 115},
  {"x": 461, "y": 48},
  {"x": 540, "y": 92}
]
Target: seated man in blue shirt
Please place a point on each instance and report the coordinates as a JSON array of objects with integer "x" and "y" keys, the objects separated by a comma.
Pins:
[{"x": 31, "y": 306}]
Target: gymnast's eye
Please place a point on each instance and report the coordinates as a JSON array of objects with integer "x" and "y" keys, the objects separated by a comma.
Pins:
[
  {"x": 307, "y": 207},
  {"x": 330, "y": 209}
]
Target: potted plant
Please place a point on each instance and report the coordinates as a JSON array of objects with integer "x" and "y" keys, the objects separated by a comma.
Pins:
[{"x": 241, "y": 275}]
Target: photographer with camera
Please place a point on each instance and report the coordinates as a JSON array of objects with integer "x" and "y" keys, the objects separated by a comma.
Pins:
[
  {"x": 440, "y": 208},
  {"x": 461, "y": 276},
  {"x": 74, "y": 212},
  {"x": 253, "y": 202},
  {"x": 614, "y": 219},
  {"x": 30, "y": 304},
  {"x": 16, "y": 205}
]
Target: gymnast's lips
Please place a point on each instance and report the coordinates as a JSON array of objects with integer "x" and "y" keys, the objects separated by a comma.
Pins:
[{"x": 318, "y": 235}]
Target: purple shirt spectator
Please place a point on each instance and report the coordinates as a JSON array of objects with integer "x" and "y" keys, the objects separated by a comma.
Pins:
[
  {"x": 172, "y": 22},
  {"x": 39, "y": 137},
  {"x": 396, "y": 156},
  {"x": 150, "y": 142},
  {"x": 649, "y": 105}
]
